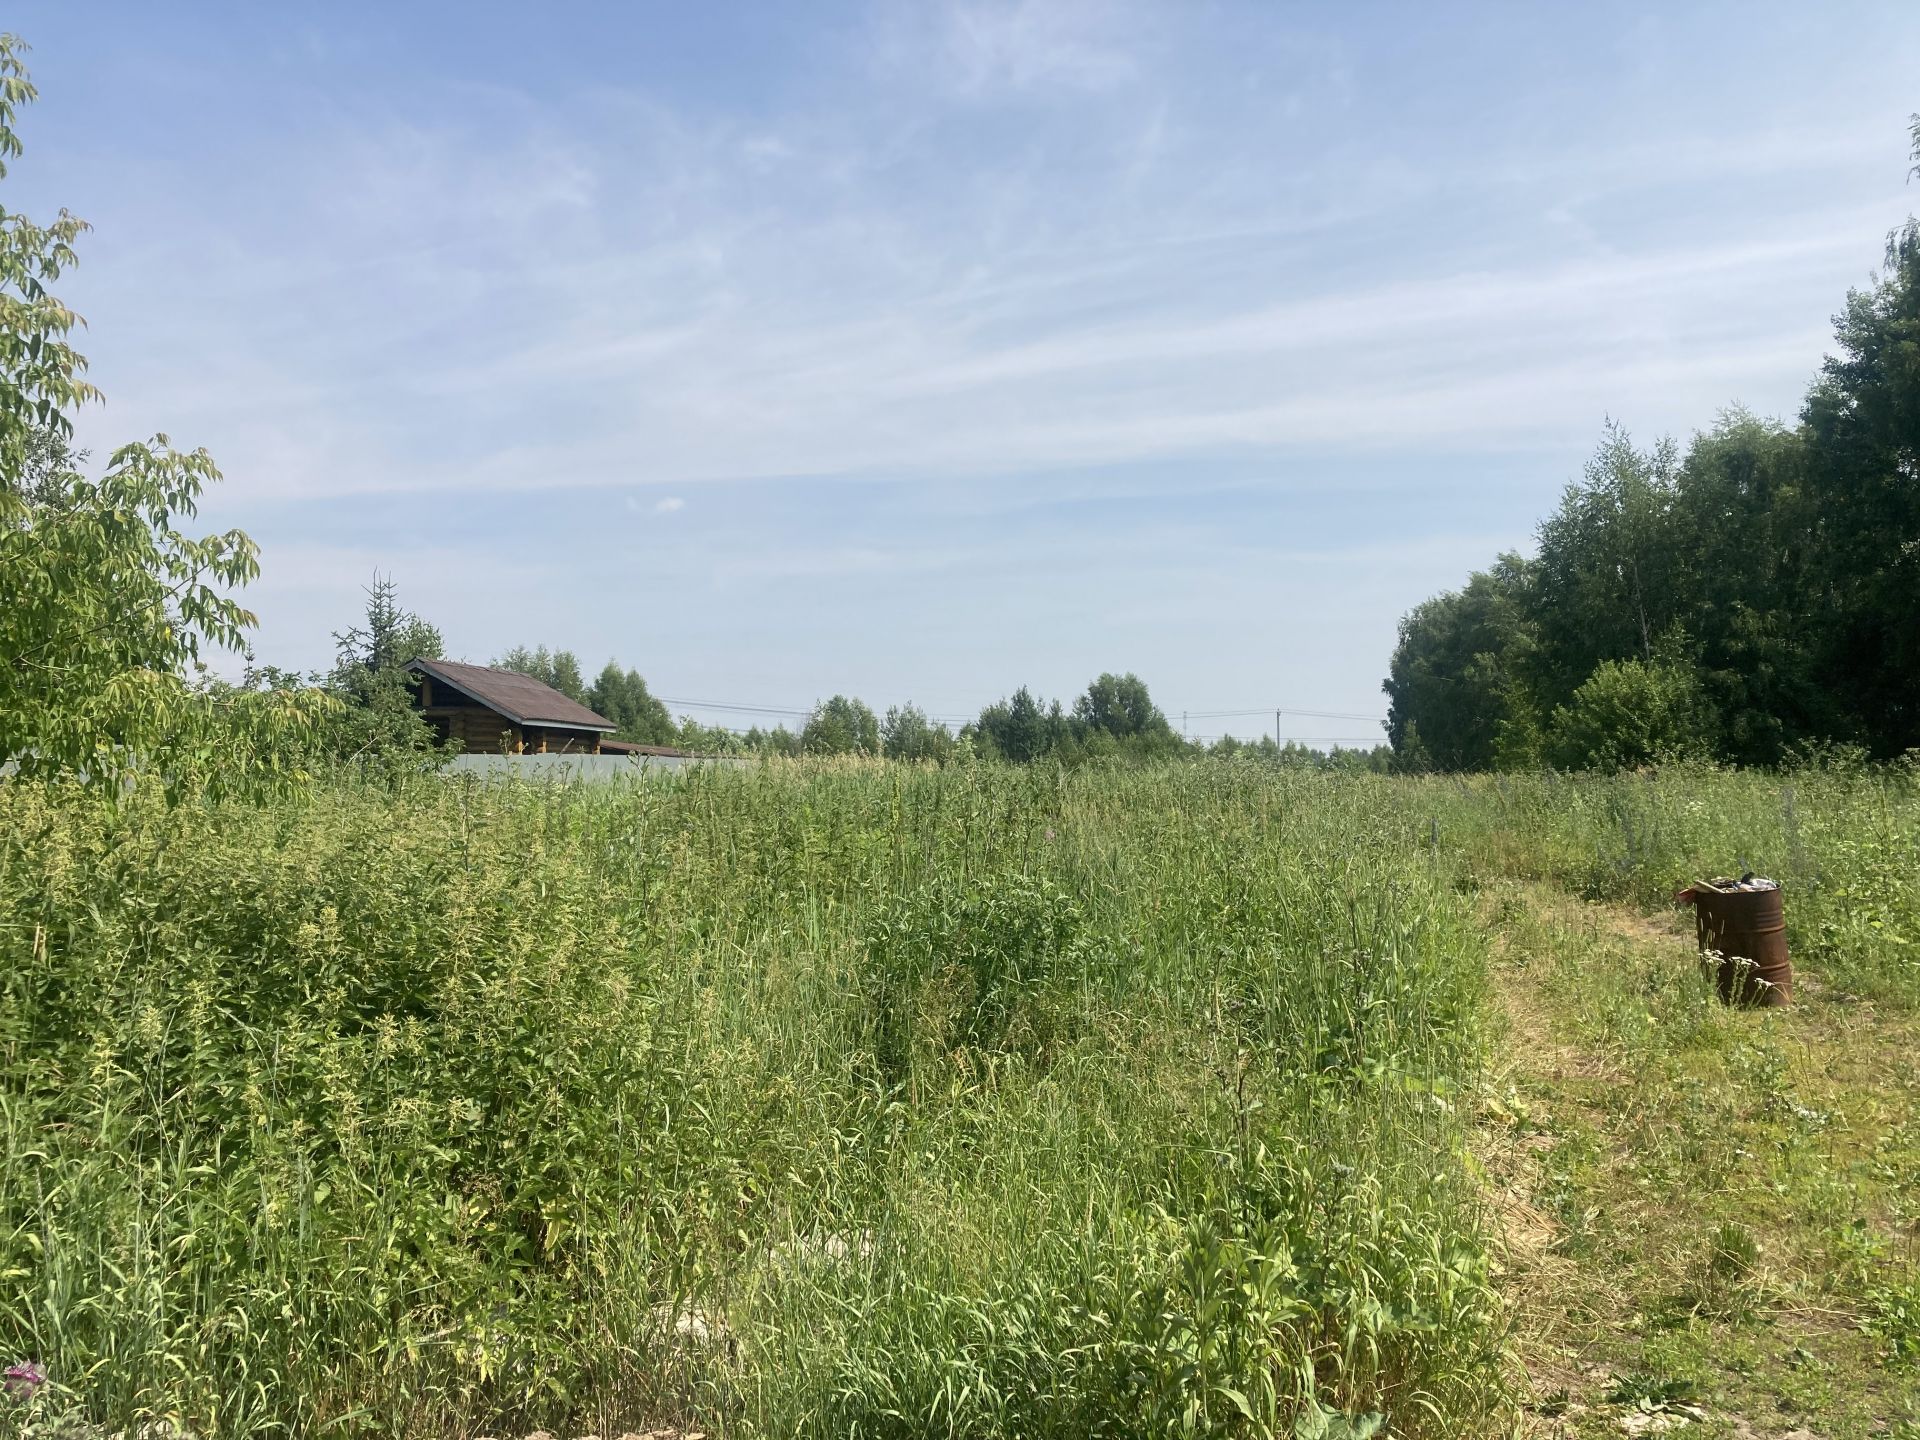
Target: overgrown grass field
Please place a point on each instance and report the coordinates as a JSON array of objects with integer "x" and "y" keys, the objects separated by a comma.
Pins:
[
  {"x": 806, "y": 1099},
  {"x": 797, "y": 1100}
]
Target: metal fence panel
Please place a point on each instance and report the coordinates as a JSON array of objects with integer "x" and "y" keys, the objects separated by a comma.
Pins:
[{"x": 592, "y": 768}]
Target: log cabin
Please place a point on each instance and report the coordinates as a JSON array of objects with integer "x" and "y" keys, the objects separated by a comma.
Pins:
[{"x": 487, "y": 712}]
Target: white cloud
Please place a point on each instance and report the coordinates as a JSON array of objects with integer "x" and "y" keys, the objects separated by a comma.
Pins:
[
  {"x": 671, "y": 505},
  {"x": 979, "y": 49},
  {"x": 819, "y": 293}
]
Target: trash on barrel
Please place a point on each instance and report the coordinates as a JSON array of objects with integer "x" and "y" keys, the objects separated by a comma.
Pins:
[{"x": 1743, "y": 932}]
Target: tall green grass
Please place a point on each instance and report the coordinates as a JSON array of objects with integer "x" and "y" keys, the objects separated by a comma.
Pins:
[
  {"x": 1844, "y": 841},
  {"x": 807, "y": 1099}
]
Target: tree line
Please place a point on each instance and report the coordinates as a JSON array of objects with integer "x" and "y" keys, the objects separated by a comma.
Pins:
[
  {"x": 1751, "y": 598},
  {"x": 1115, "y": 718}
]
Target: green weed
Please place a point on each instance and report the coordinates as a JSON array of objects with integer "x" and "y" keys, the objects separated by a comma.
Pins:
[{"x": 807, "y": 1099}]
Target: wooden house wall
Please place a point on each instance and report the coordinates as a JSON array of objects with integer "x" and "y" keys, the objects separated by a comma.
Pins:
[
  {"x": 553, "y": 740},
  {"x": 480, "y": 731}
]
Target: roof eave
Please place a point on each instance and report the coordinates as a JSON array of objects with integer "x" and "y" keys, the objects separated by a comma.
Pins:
[{"x": 427, "y": 667}]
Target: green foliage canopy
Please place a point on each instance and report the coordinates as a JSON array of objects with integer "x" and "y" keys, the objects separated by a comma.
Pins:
[
  {"x": 841, "y": 726},
  {"x": 907, "y": 734},
  {"x": 1629, "y": 713},
  {"x": 1119, "y": 705},
  {"x": 109, "y": 603},
  {"x": 378, "y": 715},
  {"x": 622, "y": 696},
  {"x": 1456, "y": 690}
]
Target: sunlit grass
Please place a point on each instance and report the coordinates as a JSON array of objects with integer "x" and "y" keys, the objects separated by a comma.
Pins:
[
  {"x": 1844, "y": 841},
  {"x": 820, "y": 1099},
  {"x": 809, "y": 1099}
]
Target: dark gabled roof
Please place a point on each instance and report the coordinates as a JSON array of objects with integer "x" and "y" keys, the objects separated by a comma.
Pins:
[{"x": 521, "y": 698}]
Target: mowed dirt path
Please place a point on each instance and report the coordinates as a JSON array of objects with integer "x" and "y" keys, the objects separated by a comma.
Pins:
[{"x": 1707, "y": 1217}]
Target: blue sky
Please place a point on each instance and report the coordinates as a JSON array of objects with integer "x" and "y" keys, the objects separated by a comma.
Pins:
[{"x": 922, "y": 351}]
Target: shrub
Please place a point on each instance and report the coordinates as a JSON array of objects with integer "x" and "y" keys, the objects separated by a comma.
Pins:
[{"x": 1630, "y": 712}]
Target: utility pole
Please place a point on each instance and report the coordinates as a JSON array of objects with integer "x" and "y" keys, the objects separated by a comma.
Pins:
[
  {"x": 1183, "y": 724},
  {"x": 1276, "y": 729}
]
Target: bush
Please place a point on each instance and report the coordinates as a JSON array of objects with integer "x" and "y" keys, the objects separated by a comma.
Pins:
[{"x": 1629, "y": 713}]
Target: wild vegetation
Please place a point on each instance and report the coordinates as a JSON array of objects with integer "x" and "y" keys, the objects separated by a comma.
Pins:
[
  {"x": 1841, "y": 838},
  {"x": 836, "y": 1097},
  {"x": 795, "y": 1100}
]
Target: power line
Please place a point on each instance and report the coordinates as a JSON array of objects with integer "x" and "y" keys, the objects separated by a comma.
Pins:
[
  {"x": 1366, "y": 740},
  {"x": 732, "y": 707},
  {"x": 1336, "y": 715},
  {"x": 1265, "y": 710}
]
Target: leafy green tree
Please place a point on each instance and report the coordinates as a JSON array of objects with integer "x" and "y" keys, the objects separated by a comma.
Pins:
[
  {"x": 1115, "y": 719},
  {"x": 1120, "y": 706},
  {"x": 1778, "y": 568},
  {"x": 1863, "y": 425},
  {"x": 1020, "y": 729},
  {"x": 1458, "y": 697},
  {"x": 777, "y": 741},
  {"x": 109, "y": 612},
  {"x": 907, "y": 734},
  {"x": 1741, "y": 511},
  {"x": 50, "y": 469},
  {"x": 699, "y": 738},
  {"x": 370, "y": 678},
  {"x": 622, "y": 696},
  {"x": 1608, "y": 579},
  {"x": 841, "y": 726},
  {"x": 44, "y": 374},
  {"x": 385, "y": 640},
  {"x": 109, "y": 607},
  {"x": 1352, "y": 760}
]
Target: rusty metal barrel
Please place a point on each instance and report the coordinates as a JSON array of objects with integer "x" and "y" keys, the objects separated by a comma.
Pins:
[{"x": 1743, "y": 931}]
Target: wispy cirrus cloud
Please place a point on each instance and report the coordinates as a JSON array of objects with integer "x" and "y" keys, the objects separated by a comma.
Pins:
[
  {"x": 979, "y": 49},
  {"x": 906, "y": 378},
  {"x": 625, "y": 293}
]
